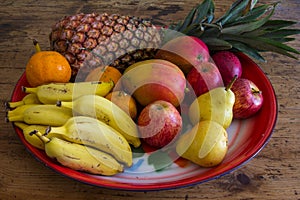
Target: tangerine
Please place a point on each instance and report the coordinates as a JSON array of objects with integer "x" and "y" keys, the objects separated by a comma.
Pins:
[
  {"x": 125, "y": 101},
  {"x": 47, "y": 67},
  {"x": 105, "y": 74}
]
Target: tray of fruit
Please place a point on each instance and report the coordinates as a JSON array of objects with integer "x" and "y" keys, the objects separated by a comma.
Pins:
[{"x": 121, "y": 103}]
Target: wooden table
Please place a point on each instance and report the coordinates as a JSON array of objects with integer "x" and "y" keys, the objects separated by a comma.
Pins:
[{"x": 273, "y": 173}]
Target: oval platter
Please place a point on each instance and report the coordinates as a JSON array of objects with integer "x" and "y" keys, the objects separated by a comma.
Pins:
[{"x": 246, "y": 139}]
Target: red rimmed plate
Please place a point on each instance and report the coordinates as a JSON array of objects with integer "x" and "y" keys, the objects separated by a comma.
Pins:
[{"x": 246, "y": 139}]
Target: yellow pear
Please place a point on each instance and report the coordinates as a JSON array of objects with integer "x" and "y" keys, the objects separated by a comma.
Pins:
[
  {"x": 205, "y": 144},
  {"x": 215, "y": 105}
]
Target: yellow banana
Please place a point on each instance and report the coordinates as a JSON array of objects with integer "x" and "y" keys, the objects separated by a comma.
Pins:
[
  {"x": 104, "y": 110},
  {"x": 18, "y": 111},
  {"x": 50, "y": 115},
  {"x": 92, "y": 132},
  {"x": 52, "y": 92},
  {"x": 28, "y": 99},
  {"x": 27, "y": 129},
  {"x": 80, "y": 157}
]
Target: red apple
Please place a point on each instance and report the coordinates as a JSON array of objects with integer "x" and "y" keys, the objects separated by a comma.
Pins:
[
  {"x": 153, "y": 80},
  {"x": 204, "y": 77},
  {"x": 159, "y": 123},
  {"x": 248, "y": 98},
  {"x": 185, "y": 52},
  {"x": 229, "y": 65}
]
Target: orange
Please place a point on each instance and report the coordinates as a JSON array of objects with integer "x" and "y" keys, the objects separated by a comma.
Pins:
[
  {"x": 47, "y": 67},
  {"x": 125, "y": 101},
  {"x": 105, "y": 74}
]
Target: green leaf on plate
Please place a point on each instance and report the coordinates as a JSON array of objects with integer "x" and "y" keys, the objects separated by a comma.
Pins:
[
  {"x": 160, "y": 160},
  {"x": 138, "y": 152}
]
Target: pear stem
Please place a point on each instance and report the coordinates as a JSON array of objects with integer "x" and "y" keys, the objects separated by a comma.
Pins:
[
  {"x": 36, "y": 45},
  {"x": 231, "y": 82}
]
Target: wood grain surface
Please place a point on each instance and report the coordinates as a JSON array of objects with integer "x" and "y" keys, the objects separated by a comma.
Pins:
[{"x": 273, "y": 174}]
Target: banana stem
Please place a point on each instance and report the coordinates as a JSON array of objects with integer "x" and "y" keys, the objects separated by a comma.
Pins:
[
  {"x": 36, "y": 45},
  {"x": 14, "y": 104},
  {"x": 48, "y": 130},
  {"x": 29, "y": 90},
  {"x": 40, "y": 135},
  {"x": 56, "y": 130},
  {"x": 231, "y": 82},
  {"x": 64, "y": 104}
]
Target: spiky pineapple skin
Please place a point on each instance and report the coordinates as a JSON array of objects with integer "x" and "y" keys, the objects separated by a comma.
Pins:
[{"x": 92, "y": 40}]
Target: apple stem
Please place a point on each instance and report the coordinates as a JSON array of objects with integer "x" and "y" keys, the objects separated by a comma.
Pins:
[
  {"x": 231, "y": 82},
  {"x": 256, "y": 91},
  {"x": 36, "y": 45},
  {"x": 186, "y": 90}
]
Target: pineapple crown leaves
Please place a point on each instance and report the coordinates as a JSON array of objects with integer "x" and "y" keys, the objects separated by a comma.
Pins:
[{"x": 244, "y": 27}]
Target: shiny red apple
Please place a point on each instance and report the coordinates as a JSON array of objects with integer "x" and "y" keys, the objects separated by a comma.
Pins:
[
  {"x": 204, "y": 77},
  {"x": 228, "y": 64},
  {"x": 185, "y": 52},
  {"x": 159, "y": 123},
  {"x": 248, "y": 98}
]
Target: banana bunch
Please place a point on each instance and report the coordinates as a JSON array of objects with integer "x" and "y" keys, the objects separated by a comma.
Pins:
[
  {"x": 104, "y": 110},
  {"x": 94, "y": 133},
  {"x": 27, "y": 100},
  {"x": 74, "y": 124},
  {"x": 32, "y": 139},
  {"x": 79, "y": 157},
  {"x": 52, "y": 92},
  {"x": 42, "y": 114}
]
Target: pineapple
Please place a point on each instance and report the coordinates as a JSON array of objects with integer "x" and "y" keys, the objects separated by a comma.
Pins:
[{"x": 93, "y": 40}]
